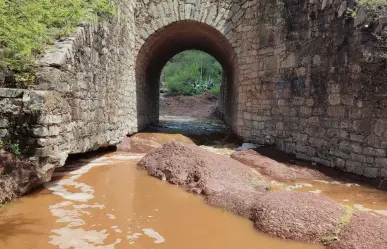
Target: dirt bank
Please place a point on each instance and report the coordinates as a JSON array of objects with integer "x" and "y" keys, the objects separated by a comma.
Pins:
[
  {"x": 145, "y": 142},
  {"x": 299, "y": 216},
  {"x": 19, "y": 176},
  {"x": 195, "y": 106},
  {"x": 224, "y": 182},
  {"x": 364, "y": 231},
  {"x": 233, "y": 186},
  {"x": 274, "y": 169}
]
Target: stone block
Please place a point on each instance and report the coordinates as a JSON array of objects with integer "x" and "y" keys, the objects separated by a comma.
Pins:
[
  {"x": 356, "y": 147},
  {"x": 381, "y": 162},
  {"x": 345, "y": 145},
  {"x": 305, "y": 111},
  {"x": 50, "y": 119},
  {"x": 383, "y": 172},
  {"x": 342, "y": 9},
  {"x": 336, "y": 111},
  {"x": 334, "y": 99},
  {"x": 362, "y": 125},
  {"x": 339, "y": 153},
  {"x": 300, "y": 137},
  {"x": 3, "y": 133},
  {"x": 361, "y": 16},
  {"x": 46, "y": 131},
  {"x": 45, "y": 173},
  {"x": 358, "y": 158},
  {"x": 11, "y": 93},
  {"x": 289, "y": 62},
  {"x": 380, "y": 127},
  {"x": 371, "y": 172},
  {"x": 354, "y": 167},
  {"x": 279, "y": 126},
  {"x": 4, "y": 123},
  {"x": 46, "y": 151},
  {"x": 374, "y": 152},
  {"x": 340, "y": 163},
  {"x": 347, "y": 99},
  {"x": 10, "y": 106},
  {"x": 356, "y": 137}
]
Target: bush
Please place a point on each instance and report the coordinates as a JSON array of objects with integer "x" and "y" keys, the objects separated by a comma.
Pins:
[
  {"x": 28, "y": 26},
  {"x": 215, "y": 91},
  {"x": 191, "y": 73}
]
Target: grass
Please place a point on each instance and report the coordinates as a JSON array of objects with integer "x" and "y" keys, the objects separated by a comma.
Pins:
[
  {"x": 29, "y": 26},
  {"x": 343, "y": 222}
]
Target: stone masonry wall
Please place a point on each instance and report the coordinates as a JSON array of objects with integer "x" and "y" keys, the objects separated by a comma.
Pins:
[
  {"x": 24, "y": 115},
  {"x": 88, "y": 82},
  {"x": 299, "y": 75},
  {"x": 231, "y": 21},
  {"x": 320, "y": 90}
]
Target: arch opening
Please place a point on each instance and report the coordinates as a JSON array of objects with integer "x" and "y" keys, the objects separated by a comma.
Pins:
[{"x": 165, "y": 43}]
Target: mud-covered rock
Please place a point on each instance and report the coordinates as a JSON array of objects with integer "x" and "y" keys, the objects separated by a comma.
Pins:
[
  {"x": 147, "y": 141},
  {"x": 299, "y": 216},
  {"x": 364, "y": 231},
  {"x": 274, "y": 169},
  {"x": 137, "y": 145},
  {"x": 20, "y": 176},
  {"x": 238, "y": 202},
  {"x": 225, "y": 182}
]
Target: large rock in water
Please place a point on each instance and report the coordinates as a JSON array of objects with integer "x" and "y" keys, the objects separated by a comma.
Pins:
[
  {"x": 20, "y": 176},
  {"x": 223, "y": 181},
  {"x": 145, "y": 142},
  {"x": 298, "y": 216},
  {"x": 137, "y": 145},
  {"x": 274, "y": 169}
]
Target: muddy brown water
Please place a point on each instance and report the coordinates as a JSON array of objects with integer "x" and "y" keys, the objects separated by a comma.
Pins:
[{"x": 105, "y": 202}]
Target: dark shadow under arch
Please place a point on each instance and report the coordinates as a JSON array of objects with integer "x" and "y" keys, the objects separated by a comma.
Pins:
[{"x": 166, "y": 43}]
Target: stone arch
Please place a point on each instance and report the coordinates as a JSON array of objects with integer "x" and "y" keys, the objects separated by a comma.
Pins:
[{"x": 168, "y": 27}]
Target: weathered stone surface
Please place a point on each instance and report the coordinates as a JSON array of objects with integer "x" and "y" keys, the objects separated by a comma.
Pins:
[{"x": 309, "y": 84}]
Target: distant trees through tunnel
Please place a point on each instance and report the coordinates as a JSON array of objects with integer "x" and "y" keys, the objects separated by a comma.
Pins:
[
  {"x": 190, "y": 73},
  {"x": 190, "y": 84}
]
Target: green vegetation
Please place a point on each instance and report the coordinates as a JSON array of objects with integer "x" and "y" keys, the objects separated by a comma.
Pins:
[
  {"x": 28, "y": 26},
  {"x": 10, "y": 146},
  {"x": 341, "y": 225},
  {"x": 14, "y": 148},
  {"x": 373, "y": 8},
  {"x": 191, "y": 73},
  {"x": 372, "y": 4}
]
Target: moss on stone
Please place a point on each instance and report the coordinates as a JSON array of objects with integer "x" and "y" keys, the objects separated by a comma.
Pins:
[{"x": 343, "y": 222}]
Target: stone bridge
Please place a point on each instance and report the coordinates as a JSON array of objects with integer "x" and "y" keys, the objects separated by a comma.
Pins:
[{"x": 302, "y": 75}]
